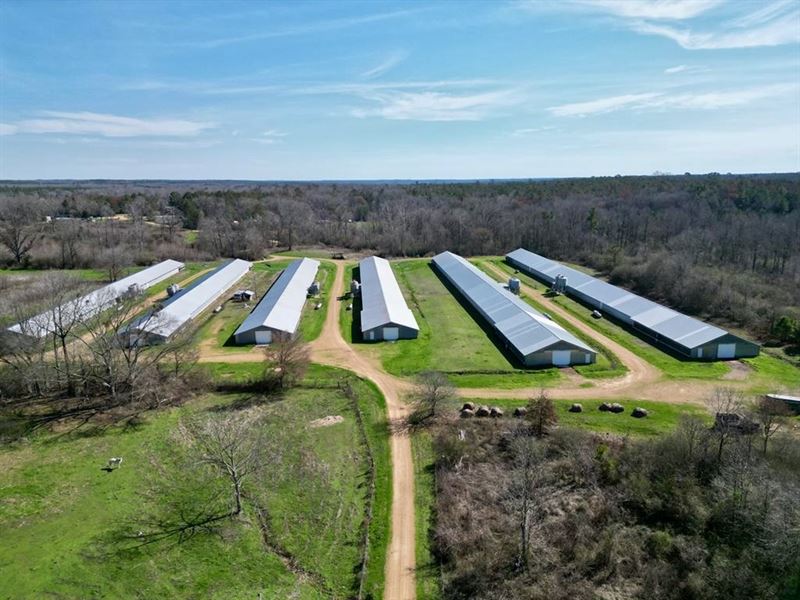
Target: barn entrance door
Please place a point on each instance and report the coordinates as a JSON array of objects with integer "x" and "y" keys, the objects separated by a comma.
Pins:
[
  {"x": 391, "y": 333},
  {"x": 263, "y": 337},
  {"x": 561, "y": 358},
  {"x": 726, "y": 350}
]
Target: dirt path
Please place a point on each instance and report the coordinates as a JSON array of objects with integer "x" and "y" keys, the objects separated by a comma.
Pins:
[{"x": 331, "y": 349}]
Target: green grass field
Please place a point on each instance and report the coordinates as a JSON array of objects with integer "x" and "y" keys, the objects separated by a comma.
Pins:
[
  {"x": 663, "y": 416},
  {"x": 450, "y": 340},
  {"x": 428, "y": 572},
  {"x": 58, "y": 509}
]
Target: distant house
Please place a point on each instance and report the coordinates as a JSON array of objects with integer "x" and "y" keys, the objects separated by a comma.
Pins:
[
  {"x": 384, "y": 312},
  {"x": 277, "y": 315},
  {"x": 160, "y": 325},
  {"x": 679, "y": 333}
]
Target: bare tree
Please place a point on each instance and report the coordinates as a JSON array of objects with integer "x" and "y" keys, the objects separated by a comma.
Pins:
[
  {"x": 771, "y": 414},
  {"x": 541, "y": 414},
  {"x": 286, "y": 362},
  {"x": 230, "y": 446},
  {"x": 723, "y": 403},
  {"x": 20, "y": 227},
  {"x": 523, "y": 491},
  {"x": 433, "y": 389}
]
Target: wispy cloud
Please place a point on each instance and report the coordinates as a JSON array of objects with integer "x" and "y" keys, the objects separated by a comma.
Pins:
[
  {"x": 601, "y": 105},
  {"x": 437, "y": 106},
  {"x": 89, "y": 123},
  {"x": 525, "y": 131},
  {"x": 675, "y": 69},
  {"x": 779, "y": 30},
  {"x": 735, "y": 24},
  {"x": 271, "y": 136},
  {"x": 662, "y": 101},
  {"x": 307, "y": 28},
  {"x": 673, "y": 10},
  {"x": 389, "y": 63}
]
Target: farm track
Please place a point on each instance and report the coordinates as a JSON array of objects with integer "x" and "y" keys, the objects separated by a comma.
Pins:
[{"x": 331, "y": 349}]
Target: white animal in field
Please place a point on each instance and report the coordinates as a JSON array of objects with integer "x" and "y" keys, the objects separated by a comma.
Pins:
[{"x": 114, "y": 462}]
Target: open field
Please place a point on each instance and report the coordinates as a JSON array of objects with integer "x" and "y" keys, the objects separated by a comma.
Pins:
[
  {"x": 59, "y": 511},
  {"x": 450, "y": 340}
]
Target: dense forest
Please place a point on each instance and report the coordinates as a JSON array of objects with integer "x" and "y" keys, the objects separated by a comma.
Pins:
[{"x": 722, "y": 247}]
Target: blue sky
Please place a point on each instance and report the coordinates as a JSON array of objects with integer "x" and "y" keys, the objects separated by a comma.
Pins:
[{"x": 406, "y": 90}]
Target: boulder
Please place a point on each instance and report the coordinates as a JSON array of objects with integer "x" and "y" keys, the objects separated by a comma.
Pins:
[
  {"x": 466, "y": 413},
  {"x": 468, "y": 406},
  {"x": 496, "y": 411},
  {"x": 616, "y": 408},
  {"x": 483, "y": 411},
  {"x": 520, "y": 411},
  {"x": 639, "y": 412},
  {"x": 576, "y": 408},
  {"x": 604, "y": 407}
]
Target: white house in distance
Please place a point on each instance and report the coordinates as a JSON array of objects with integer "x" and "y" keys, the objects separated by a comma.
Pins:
[
  {"x": 277, "y": 315},
  {"x": 384, "y": 312}
]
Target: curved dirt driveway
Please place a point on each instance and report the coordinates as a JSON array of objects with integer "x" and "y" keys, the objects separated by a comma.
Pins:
[{"x": 331, "y": 349}]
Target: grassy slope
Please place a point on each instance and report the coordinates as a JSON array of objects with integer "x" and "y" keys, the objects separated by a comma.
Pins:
[
  {"x": 449, "y": 338},
  {"x": 56, "y": 503}
]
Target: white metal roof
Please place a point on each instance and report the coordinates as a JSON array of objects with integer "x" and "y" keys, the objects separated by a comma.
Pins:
[
  {"x": 381, "y": 299},
  {"x": 526, "y": 329},
  {"x": 191, "y": 301},
  {"x": 95, "y": 302},
  {"x": 672, "y": 325},
  {"x": 282, "y": 305}
]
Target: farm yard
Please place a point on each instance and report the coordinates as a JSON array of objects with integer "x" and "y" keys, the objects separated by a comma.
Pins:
[{"x": 70, "y": 528}]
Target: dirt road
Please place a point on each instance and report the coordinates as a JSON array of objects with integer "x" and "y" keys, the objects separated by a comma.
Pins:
[{"x": 331, "y": 349}]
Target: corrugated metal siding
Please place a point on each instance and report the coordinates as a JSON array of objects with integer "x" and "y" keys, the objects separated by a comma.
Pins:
[
  {"x": 185, "y": 306},
  {"x": 381, "y": 299},
  {"x": 281, "y": 307},
  {"x": 98, "y": 300},
  {"x": 526, "y": 330},
  {"x": 680, "y": 332}
]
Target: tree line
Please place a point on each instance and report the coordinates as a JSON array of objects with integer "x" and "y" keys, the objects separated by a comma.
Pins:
[{"x": 720, "y": 247}]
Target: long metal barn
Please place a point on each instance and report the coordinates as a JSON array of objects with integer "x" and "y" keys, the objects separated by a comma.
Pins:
[
  {"x": 384, "y": 312},
  {"x": 684, "y": 335},
  {"x": 175, "y": 312},
  {"x": 532, "y": 337},
  {"x": 277, "y": 314},
  {"x": 95, "y": 302}
]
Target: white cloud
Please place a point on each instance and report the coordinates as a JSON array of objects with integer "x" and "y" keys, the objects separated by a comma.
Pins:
[
  {"x": 601, "y": 105},
  {"x": 673, "y": 10},
  {"x": 661, "y": 101},
  {"x": 437, "y": 106},
  {"x": 779, "y": 31},
  {"x": 89, "y": 123},
  {"x": 389, "y": 63},
  {"x": 529, "y": 131},
  {"x": 676, "y": 69},
  {"x": 7, "y": 129}
]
